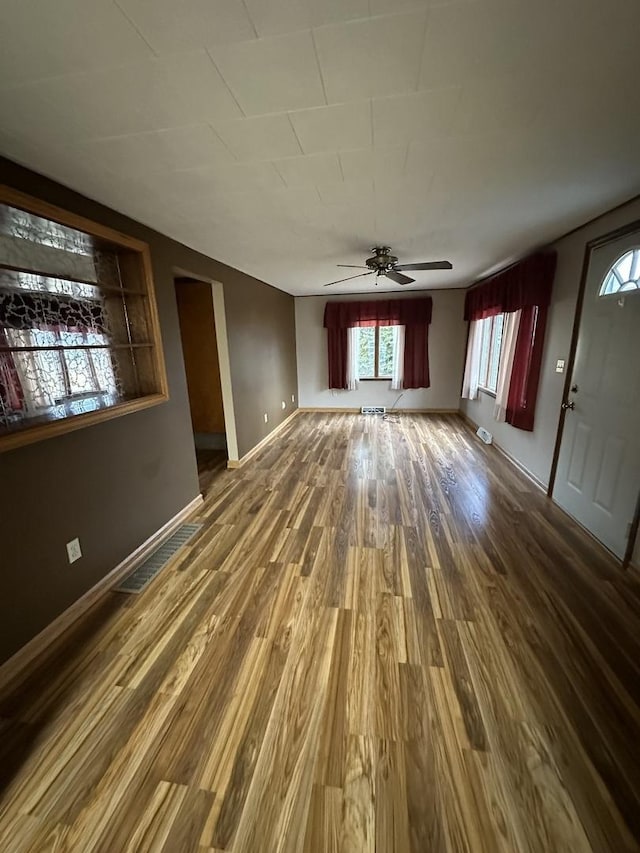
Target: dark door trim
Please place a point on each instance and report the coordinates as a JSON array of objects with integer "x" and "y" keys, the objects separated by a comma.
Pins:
[{"x": 633, "y": 534}]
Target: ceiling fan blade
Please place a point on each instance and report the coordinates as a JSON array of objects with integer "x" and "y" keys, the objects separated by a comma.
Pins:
[
  {"x": 360, "y": 275},
  {"x": 427, "y": 265},
  {"x": 398, "y": 277},
  {"x": 352, "y": 266}
]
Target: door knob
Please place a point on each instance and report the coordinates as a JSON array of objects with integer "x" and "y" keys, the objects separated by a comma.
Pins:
[{"x": 570, "y": 405}]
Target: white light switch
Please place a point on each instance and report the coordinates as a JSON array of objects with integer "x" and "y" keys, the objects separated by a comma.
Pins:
[
  {"x": 560, "y": 365},
  {"x": 74, "y": 552}
]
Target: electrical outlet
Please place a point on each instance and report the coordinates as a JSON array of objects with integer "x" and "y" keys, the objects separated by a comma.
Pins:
[
  {"x": 284, "y": 405},
  {"x": 266, "y": 418},
  {"x": 74, "y": 552},
  {"x": 293, "y": 398},
  {"x": 560, "y": 365}
]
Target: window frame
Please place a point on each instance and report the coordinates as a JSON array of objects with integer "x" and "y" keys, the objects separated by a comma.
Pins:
[
  {"x": 136, "y": 259},
  {"x": 376, "y": 361},
  {"x": 612, "y": 273},
  {"x": 483, "y": 380}
]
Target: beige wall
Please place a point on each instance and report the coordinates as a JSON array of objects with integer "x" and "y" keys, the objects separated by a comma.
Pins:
[
  {"x": 447, "y": 338},
  {"x": 115, "y": 484},
  {"x": 534, "y": 450}
]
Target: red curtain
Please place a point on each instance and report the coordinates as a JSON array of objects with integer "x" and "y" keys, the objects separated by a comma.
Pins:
[
  {"x": 527, "y": 360},
  {"x": 414, "y": 314},
  {"x": 522, "y": 285},
  {"x": 525, "y": 286},
  {"x": 416, "y": 356},
  {"x": 337, "y": 346}
]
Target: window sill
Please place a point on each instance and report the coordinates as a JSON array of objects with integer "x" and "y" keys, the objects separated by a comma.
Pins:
[
  {"x": 375, "y": 379},
  {"x": 9, "y": 440},
  {"x": 487, "y": 391}
]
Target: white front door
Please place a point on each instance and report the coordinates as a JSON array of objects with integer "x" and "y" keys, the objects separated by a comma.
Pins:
[{"x": 598, "y": 474}]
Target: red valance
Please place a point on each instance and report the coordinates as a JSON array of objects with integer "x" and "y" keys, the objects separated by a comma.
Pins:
[
  {"x": 383, "y": 312},
  {"x": 522, "y": 285}
]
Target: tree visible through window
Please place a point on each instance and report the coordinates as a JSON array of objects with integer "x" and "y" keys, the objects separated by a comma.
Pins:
[
  {"x": 375, "y": 352},
  {"x": 490, "y": 352}
]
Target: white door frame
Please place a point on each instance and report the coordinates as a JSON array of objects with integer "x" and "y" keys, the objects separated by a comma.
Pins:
[
  {"x": 591, "y": 245},
  {"x": 220, "y": 320}
]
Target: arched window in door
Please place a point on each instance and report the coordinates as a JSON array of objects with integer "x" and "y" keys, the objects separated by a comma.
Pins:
[{"x": 623, "y": 275}]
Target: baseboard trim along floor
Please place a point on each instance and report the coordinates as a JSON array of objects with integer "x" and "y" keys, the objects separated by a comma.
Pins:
[
  {"x": 24, "y": 656},
  {"x": 238, "y": 463}
]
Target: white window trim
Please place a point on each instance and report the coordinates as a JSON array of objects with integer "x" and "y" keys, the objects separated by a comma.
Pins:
[
  {"x": 353, "y": 365},
  {"x": 481, "y": 386}
]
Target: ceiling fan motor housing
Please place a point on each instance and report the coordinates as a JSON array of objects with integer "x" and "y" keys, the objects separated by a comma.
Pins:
[
  {"x": 382, "y": 260},
  {"x": 383, "y": 263}
]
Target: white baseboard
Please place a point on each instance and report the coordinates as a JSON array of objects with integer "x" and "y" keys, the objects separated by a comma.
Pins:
[
  {"x": 238, "y": 463},
  {"x": 516, "y": 464},
  {"x": 24, "y": 656},
  {"x": 521, "y": 468},
  {"x": 344, "y": 410}
]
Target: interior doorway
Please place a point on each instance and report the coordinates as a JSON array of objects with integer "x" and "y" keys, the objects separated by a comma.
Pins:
[
  {"x": 196, "y": 316},
  {"x": 597, "y": 479}
]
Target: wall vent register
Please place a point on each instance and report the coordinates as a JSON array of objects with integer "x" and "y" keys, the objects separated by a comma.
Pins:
[{"x": 79, "y": 334}]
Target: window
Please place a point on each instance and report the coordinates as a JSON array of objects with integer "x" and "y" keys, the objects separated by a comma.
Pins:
[
  {"x": 490, "y": 348},
  {"x": 79, "y": 339},
  {"x": 623, "y": 276},
  {"x": 375, "y": 352}
]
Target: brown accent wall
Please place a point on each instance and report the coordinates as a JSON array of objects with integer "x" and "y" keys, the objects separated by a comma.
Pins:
[
  {"x": 115, "y": 484},
  {"x": 263, "y": 357},
  {"x": 200, "y": 352}
]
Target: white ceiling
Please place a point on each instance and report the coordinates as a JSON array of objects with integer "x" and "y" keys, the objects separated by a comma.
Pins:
[{"x": 287, "y": 136}]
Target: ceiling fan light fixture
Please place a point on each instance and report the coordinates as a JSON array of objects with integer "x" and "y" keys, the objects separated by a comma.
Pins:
[
  {"x": 382, "y": 259},
  {"x": 384, "y": 263}
]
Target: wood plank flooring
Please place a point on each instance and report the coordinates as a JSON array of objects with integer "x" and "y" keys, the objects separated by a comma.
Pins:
[{"x": 384, "y": 639}]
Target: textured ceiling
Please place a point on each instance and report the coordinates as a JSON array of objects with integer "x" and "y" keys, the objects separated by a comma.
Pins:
[{"x": 286, "y": 136}]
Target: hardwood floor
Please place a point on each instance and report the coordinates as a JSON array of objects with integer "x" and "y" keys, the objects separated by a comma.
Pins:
[
  {"x": 385, "y": 638},
  {"x": 211, "y": 464}
]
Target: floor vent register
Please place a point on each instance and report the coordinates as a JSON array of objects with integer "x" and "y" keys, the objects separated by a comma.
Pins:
[{"x": 140, "y": 577}]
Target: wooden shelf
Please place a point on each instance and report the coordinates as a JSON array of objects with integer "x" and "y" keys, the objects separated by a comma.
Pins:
[
  {"x": 145, "y": 376},
  {"x": 73, "y": 279},
  {"x": 76, "y": 346}
]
